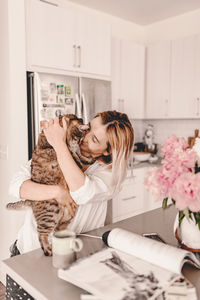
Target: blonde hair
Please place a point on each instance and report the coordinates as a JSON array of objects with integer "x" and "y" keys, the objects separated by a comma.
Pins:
[{"x": 120, "y": 136}]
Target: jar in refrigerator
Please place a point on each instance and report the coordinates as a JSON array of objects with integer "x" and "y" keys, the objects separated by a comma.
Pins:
[
  {"x": 50, "y": 114},
  {"x": 61, "y": 99},
  {"x": 43, "y": 113},
  {"x": 60, "y": 89},
  {"x": 68, "y": 91}
]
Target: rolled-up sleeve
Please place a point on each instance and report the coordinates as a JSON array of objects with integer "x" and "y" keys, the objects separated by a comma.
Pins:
[
  {"x": 19, "y": 177},
  {"x": 96, "y": 188}
]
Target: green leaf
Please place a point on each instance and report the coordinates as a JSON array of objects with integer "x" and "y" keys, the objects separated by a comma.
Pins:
[
  {"x": 197, "y": 218},
  {"x": 173, "y": 201},
  {"x": 181, "y": 215},
  {"x": 164, "y": 203},
  {"x": 197, "y": 168},
  {"x": 186, "y": 213}
]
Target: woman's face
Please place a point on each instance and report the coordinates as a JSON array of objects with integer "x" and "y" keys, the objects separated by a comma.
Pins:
[{"x": 95, "y": 142}]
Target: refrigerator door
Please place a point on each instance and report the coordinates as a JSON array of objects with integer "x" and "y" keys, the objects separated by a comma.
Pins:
[
  {"x": 49, "y": 95},
  {"x": 96, "y": 97}
]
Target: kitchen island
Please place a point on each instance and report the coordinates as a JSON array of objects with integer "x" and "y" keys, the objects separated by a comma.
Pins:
[{"x": 35, "y": 273}]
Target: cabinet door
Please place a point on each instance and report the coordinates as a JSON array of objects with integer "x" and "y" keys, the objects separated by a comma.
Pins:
[
  {"x": 197, "y": 77},
  {"x": 50, "y": 36},
  {"x": 183, "y": 99},
  {"x": 158, "y": 80},
  {"x": 132, "y": 79},
  {"x": 127, "y": 68},
  {"x": 93, "y": 42},
  {"x": 129, "y": 201}
]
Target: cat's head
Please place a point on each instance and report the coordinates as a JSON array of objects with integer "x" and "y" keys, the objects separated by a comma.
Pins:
[{"x": 76, "y": 129}]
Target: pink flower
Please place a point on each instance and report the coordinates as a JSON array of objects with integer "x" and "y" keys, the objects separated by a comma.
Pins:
[
  {"x": 158, "y": 183},
  {"x": 176, "y": 177},
  {"x": 173, "y": 145},
  {"x": 186, "y": 192}
]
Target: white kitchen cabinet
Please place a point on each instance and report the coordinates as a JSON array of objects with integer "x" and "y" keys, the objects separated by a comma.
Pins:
[
  {"x": 158, "y": 80},
  {"x": 63, "y": 38},
  {"x": 93, "y": 40},
  {"x": 184, "y": 103},
  {"x": 128, "y": 72},
  {"x": 197, "y": 77},
  {"x": 134, "y": 198},
  {"x": 129, "y": 201},
  {"x": 50, "y": 36}
]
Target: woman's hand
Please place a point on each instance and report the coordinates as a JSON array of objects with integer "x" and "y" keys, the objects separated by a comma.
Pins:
[
  {"x": 64, "y": 198},
  {"x": 55, "y": 134}
]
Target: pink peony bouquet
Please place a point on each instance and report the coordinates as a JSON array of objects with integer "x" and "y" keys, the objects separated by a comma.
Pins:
[{"x": 177, "y": 181}]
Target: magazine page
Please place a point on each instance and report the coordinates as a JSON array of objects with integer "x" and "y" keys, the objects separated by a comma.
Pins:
[
  {"x": 115, "y": 275},
  {"x": 179, "y": 289},
  {"x": 155, "y": 252}
]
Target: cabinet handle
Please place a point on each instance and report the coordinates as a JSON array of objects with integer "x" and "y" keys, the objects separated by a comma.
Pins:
[
  {"x": 197, "y": 106},
  {"x": 79, "y": 56},
  {"x": 74, "y": 47},
  {"x": 128, "y": 198}
]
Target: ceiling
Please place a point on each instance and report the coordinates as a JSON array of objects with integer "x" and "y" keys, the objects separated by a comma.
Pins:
[{"x": 142, "y": 12}]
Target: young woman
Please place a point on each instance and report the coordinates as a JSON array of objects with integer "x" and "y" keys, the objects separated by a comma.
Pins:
[{"x": 110, "y": 142}]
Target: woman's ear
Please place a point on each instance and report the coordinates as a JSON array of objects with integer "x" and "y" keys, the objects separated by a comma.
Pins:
[{"x": 107, "y": 151}]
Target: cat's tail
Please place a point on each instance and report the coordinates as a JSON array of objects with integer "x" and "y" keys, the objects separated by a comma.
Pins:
[{"x": 19, "y": 204}]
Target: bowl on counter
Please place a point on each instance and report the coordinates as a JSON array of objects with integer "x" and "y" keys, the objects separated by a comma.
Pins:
[{"x": 141, "y": 156}]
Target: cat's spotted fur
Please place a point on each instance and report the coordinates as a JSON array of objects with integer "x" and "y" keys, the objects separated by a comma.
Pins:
[{"x": 49, "y": 214}]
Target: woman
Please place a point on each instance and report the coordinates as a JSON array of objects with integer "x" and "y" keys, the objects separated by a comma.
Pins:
[{"x": 110, "y": 142}]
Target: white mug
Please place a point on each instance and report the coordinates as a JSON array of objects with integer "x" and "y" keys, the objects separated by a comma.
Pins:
[{"x": 64, "y": 246}]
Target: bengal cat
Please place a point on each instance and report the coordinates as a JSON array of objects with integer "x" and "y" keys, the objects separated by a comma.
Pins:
[{"x": 49, "y": 214}]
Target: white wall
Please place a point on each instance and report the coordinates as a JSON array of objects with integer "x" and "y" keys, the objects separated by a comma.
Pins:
[
  {"x": 172, "y": 28},
  {"x": 13, "y": 112},
  {"x": 119, "y": 27}
]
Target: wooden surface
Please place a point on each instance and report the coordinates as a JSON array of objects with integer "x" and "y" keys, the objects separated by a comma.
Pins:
[
  {"x": 2, "y": 291},
  {"x": 35, "y": 273}
]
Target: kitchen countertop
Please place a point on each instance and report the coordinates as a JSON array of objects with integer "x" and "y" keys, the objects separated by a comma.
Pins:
[
  {"x": 145, "y": 164},
  {"x": 35, "y": 273}
]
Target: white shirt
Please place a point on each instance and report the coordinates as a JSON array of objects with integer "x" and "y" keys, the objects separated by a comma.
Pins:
[{"x": 91, "y": 197}]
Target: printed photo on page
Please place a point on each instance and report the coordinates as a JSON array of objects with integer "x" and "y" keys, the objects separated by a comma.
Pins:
[{"x": 114, "y": 275}]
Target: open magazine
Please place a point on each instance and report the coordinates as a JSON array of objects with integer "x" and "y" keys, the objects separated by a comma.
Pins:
[{"x": 132, "y": 267}]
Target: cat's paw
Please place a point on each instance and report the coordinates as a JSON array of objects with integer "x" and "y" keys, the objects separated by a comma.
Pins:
[{"x": 47, "y": 251}]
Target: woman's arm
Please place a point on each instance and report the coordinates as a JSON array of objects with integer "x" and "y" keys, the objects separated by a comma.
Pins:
[
  {"x": 22, "y": 187},
  {"x": 36, "y": 191},
  {"x": 56, "y": 136}
]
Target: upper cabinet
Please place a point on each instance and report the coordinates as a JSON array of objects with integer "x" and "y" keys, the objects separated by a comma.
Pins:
[
  {"x": 173, "y": 79},
  {"x": 158, "y": 80},
  {"x": 128, "y": 71},
  {"x": 66, "y": 39},
  {"x": 183, "y": 81}
]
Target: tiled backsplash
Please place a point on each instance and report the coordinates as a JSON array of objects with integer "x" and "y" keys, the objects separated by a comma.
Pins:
[{"x": 165, "y": 128}]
